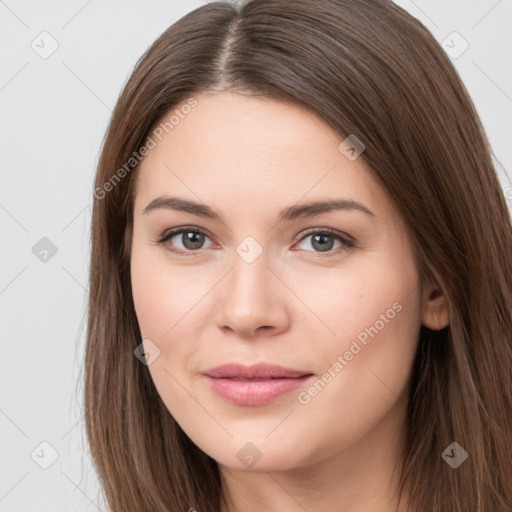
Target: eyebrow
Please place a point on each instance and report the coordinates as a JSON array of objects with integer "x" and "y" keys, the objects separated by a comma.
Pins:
[{"x": 288, "y": 214}]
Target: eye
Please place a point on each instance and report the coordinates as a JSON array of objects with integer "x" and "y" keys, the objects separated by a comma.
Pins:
[
  {"x": 323, "y": 241},
  {"x": 191, "y": 240}
]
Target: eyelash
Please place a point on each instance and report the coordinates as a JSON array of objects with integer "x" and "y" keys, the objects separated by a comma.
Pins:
[{"x": 345, "y": 240}]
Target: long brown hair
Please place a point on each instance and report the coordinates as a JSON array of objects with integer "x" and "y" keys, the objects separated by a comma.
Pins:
[{"x": 368, "y": 68}]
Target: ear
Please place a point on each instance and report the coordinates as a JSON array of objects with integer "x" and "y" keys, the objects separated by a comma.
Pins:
[{"x": 435, "y": 314}]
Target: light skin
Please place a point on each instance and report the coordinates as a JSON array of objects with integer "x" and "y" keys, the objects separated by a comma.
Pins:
[{"x": 248, "y": 159}]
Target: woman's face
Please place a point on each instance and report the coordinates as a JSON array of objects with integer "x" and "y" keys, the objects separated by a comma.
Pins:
[{"x": 257, "y": 287}]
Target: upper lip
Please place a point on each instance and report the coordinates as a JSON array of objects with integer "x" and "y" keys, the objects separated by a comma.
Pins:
[{"x": 260, "y": 370}]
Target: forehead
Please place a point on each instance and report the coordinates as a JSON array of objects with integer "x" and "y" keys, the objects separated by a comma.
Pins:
[{"x": 231, "y": 148}]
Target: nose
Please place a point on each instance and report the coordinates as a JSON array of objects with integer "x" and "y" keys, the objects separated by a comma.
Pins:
[{"x": 254, "y": 300}]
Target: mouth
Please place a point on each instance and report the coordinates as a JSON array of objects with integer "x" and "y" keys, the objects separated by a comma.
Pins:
[
  {"x": 260, "y": 371},
  {"x": 254, "y": 385}
]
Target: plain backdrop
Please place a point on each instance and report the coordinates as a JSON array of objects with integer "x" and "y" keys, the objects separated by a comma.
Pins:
[{"x": 63, "y": 65}]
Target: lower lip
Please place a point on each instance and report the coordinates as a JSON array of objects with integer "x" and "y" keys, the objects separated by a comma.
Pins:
[{"x": 254, "y": 392}]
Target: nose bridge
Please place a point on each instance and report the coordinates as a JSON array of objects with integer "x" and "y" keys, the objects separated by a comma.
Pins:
[
  {"x": 251, "y": 299},
  {"x": 249, "y": 282}
]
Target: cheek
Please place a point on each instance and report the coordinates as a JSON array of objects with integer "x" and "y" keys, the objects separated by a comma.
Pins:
[
  {"x": 168, "y": 301},
  {"x": 161, "y": 305},
  {"x": 346, "y": 302},
  {"x": 162, "y": 293},
  {"x": 376, "y": 320},
  {"x": 150, "y": 303},
  {"x": 370, "y": 321}
]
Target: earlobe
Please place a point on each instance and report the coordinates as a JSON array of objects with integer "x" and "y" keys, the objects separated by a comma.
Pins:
[{"x": 435, "y": 311}]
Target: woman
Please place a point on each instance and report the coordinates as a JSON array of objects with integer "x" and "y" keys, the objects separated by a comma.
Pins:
[{"x": 301, "y": 272}]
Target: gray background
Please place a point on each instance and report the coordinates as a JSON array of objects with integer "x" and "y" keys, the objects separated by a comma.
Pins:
[{"x": 54, "y": 113}]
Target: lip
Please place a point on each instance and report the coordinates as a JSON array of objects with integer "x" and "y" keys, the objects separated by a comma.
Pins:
[{"x": 267, "y": 382}]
